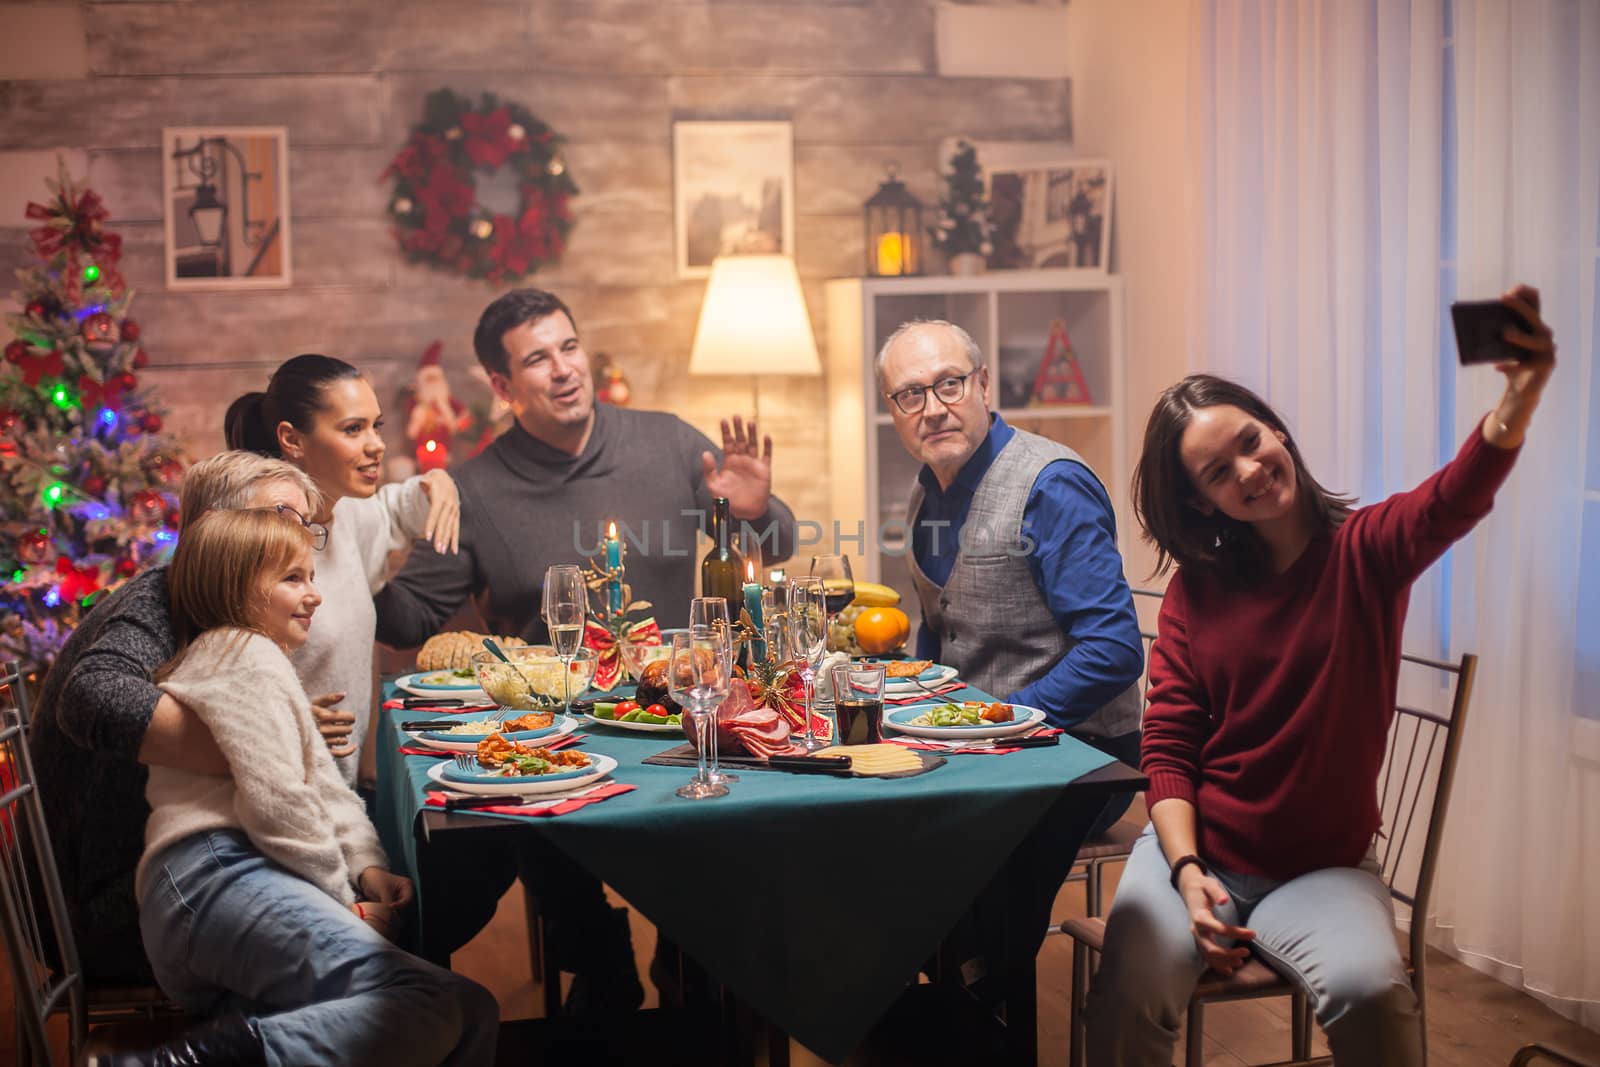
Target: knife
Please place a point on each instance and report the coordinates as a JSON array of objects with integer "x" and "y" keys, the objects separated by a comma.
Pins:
[
  {"x": 485, "y": 801},
  {"x": 838, "y": 765},
  {"x": 431, "y": 702},
  {"x": 431, "y": 724},
  {"x": 1027, "y": 742}
]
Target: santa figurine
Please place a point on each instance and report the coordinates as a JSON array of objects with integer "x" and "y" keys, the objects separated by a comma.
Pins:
[{"x": 433, "y": 415}]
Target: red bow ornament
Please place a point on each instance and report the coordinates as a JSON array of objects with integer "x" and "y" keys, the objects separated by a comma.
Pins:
[{"x": 608, "y": 664}]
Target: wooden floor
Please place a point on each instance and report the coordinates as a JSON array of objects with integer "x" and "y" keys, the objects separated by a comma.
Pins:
[{"x": 1473, "y": 1020}]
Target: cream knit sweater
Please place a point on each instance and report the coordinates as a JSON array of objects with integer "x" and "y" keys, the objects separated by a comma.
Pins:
[{"x": 285, "y": 792}]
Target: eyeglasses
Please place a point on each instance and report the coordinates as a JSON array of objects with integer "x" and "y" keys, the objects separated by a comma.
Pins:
[
  {"x": 319, "y": 532},
  {"x": 913, "y": 398}
]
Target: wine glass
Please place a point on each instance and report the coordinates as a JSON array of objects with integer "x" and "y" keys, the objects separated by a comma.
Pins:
[
  {"x": 808, "y": 631},
  {"x": 838, "y": 586},
  {"x": 566, "y": 603},
  {"x": 697, "y": 677},
  {"x": 712, "y": 611}
]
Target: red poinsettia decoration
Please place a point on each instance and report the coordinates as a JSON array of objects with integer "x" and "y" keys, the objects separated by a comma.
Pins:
[
  {"x": 76, "y": 582},
  {"x": 96, "y": 395},
  {"x": 488, "y": 139},
  {"x": 38, "y": 366}
]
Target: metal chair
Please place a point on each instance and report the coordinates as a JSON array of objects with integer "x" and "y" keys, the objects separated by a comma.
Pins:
[
  {"x": 1116, "y": 843},
  {"x": 47, "y": 974},
  {"x": 1423, "y": 747},
  {"x": 33, "y": 910}
]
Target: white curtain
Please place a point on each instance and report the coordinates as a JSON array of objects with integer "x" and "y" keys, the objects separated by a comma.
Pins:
[
  {"x": 1521, "y": 890},
  {"x": 1359, "y": 166}
]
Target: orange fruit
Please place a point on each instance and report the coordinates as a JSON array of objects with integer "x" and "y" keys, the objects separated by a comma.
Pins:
[{"x": 880, "y": 630}]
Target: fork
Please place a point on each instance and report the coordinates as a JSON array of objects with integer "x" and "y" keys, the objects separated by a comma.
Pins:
[{"x": 466, "y": 762}]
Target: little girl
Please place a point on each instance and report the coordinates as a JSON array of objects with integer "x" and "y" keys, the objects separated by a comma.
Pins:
[{"x": 247, "y": 888}]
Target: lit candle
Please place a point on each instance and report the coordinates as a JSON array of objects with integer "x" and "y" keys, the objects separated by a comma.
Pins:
[
  {"x": 752, "y": 604},
  {"x": 892, "y": 254},
  {"x": 613, "y": 561}
]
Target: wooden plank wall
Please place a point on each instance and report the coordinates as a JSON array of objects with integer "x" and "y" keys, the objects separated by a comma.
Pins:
[{"x": 856, "y": 77}]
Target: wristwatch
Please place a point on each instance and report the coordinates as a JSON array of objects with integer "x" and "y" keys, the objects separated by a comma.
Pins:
[{"x": 1183, "y": 861}]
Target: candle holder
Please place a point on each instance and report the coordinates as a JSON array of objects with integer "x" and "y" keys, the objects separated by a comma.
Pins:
[{"x": 620, "y": 621}]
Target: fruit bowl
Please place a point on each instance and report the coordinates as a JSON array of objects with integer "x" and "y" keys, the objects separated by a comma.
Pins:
[{"x": 533, "y": 679}]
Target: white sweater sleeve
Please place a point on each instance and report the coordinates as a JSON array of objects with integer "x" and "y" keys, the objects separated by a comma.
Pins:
[
  {"x": 347, "y": 813},
  {"x": 244, "y": 689},
  {"x": 389, "y": 520}
]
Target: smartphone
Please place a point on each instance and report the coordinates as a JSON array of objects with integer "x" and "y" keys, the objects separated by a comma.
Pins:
[{"x": 1480, "y": 326}]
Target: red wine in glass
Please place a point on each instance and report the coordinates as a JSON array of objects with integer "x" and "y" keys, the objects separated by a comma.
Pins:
[{"x": 860, "y": 722}]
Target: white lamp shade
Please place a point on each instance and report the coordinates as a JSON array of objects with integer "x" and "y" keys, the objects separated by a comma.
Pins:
[{"x": 754, "y": 320}]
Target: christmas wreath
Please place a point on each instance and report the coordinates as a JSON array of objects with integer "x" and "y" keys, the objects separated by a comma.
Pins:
[{"x": 438, "y": 218}]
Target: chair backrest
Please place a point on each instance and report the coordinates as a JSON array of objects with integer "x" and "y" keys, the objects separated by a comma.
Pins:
[
  {"x": 1147, "y": 633},
  {"x": 33, "y": 909},
  {"x": 1417, "y": 775}
]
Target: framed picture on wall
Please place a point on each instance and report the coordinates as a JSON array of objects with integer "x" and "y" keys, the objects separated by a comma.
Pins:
[
  {"x": 1048, "y": 209},
  {"x": 733, "y": 191},
  {"x": 226, "y": 203}
]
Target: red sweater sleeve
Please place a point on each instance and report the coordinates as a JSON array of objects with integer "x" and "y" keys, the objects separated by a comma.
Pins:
[
  {"x": 1176, "y": 723},
  {"x": 1404, "y": 534}
]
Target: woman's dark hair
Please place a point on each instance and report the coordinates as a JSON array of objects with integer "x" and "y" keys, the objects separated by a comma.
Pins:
[
  {"x": 1163, "y": 495},
  {"x": 507, "y": 313},
  {"x": 294, "y": 395}
]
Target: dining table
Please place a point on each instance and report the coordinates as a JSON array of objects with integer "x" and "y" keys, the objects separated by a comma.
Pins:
[{"x": 814, "y": 900}]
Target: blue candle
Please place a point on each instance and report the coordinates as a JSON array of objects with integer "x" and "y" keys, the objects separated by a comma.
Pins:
[
  {"x": 752, "y": 604},
  {"x": 613, "y": 561}
]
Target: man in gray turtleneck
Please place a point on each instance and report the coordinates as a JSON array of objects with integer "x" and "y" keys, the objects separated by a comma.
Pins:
[{"x": 543, "y": 492}]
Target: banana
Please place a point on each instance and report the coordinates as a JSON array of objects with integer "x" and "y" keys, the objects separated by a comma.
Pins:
[{"x": 873, "y": 595}]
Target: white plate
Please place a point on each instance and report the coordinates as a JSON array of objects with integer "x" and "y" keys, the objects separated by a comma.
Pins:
[
  {"x": 900, "y": 687},
  {"x": 1026, "y": 719},
  {"x": 565, "y": 724},
  {"x": 601, "y": 766},
  {"x": 638, "y": 727},
  {"x": 470, "y": 693}
]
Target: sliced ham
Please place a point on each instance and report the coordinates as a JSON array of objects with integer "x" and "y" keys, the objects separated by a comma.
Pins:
[{"x": 743, "y": 727}]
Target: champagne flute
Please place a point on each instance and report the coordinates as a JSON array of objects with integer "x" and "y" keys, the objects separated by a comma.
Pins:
[
  {"x": 697, "y": 677},
  {"x": 808, "y": 630},
  {"x": 838, "y": 586},
  {"x": 712, "y": 611},
  {"x": 566, "y": 603}
]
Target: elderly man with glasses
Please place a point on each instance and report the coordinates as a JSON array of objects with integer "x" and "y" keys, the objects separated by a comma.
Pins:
[{"x": 1014, "y": 557}]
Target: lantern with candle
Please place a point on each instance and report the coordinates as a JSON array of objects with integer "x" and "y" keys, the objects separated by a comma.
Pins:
[{"x": 893, "y": 218}]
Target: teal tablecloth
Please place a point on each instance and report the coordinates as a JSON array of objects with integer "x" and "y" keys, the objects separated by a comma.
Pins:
[{"x": 814, "y": 899}]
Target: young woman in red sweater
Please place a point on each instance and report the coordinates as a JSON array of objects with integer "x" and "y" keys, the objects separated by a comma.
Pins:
[{"x": 1272, "y": 685}]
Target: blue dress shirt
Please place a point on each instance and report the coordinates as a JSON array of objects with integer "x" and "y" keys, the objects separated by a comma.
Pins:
[{"x": 1075, "y": 564}]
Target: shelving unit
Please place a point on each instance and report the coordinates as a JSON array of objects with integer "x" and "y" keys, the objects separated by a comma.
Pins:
[{"x": 1009, "y": 314}]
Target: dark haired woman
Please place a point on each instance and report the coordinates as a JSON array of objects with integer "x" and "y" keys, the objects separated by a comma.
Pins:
[
  {"x": 1272, "y": 686},
  {"x": 322, "y": 415}
]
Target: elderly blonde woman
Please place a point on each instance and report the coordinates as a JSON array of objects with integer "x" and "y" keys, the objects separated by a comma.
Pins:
[{"x": 100, "y": 722}]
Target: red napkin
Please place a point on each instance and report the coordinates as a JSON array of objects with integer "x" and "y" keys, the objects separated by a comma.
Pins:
[
  {"x": 560, "y": 742},
  {"x": 997, "y": 750},
  {"x": 556, "y": 807},
  {"x": 924, "y": 694}
]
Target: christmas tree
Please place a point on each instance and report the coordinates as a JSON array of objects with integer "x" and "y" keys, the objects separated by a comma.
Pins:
[
  {"x": 963, "y": 224},
  {"x": 91, "y": 482}
]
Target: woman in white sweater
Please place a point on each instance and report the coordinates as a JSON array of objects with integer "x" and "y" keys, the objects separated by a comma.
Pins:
[
  {"x": 322, "y": 415},
  {"x": 248, "y": 888}
]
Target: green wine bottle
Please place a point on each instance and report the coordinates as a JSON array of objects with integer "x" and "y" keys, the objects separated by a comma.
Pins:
[{"x": 722, "y": 571}]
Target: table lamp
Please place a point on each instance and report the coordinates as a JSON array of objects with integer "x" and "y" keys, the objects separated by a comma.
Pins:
[{"x": 754, "y": 321}]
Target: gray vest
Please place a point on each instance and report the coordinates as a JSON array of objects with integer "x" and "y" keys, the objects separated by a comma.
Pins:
[{"x": 993, "y": 622}]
